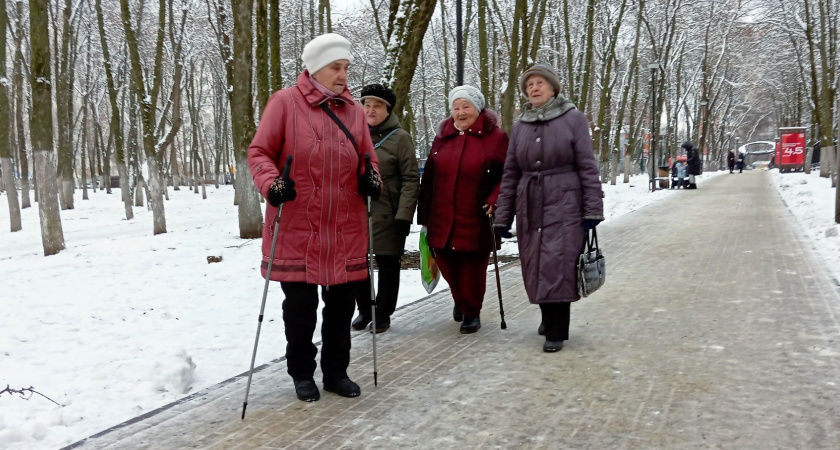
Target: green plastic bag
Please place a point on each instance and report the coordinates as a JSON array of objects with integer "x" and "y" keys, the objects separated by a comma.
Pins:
[{"x": 429, "y": 271}]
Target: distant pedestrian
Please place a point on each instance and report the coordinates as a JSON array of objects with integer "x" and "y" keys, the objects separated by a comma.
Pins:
[
  {"x": 681, "y": 171},
  {"x": 741, "y": 158},
  {"x": 393, "y": 212},
  {"x": 458, "y": 190},
  {"x": 323, "y": 236},
  {"x": 693, "y": 162},
  {"x": 552, "y": 185},
  {"x": 730, "y": 161}
]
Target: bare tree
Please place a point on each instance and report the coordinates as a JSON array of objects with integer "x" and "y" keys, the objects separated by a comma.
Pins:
[
  {"x": 407, "y": 24},
  {"x": 242, "y": 112},
  {"x": 41, "y": 129},
  {"x": 8, "y": 180}
]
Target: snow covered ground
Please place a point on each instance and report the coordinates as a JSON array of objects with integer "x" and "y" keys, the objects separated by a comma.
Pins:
[
  {"x": 123, "y": 322},
  {"x": 811, "y": 199}
]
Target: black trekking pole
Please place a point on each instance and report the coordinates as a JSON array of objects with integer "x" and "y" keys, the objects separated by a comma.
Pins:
[
  {"x": 286, "y": 170},
  {"x": 496, "y": 264},
  {"x": 368, "y": 171}
]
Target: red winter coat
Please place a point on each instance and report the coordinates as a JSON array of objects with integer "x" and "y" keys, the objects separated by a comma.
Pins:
[
  {"x": 462, "y": 174},
  {"x": 323, "y": 236}
]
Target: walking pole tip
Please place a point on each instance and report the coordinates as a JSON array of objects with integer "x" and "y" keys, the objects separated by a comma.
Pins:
[{"x": 244, "y": 407}]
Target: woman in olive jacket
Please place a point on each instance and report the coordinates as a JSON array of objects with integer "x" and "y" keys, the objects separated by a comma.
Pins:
[
  {"x": 552, "y": 185},
  {"x": 393, "y": 212}
]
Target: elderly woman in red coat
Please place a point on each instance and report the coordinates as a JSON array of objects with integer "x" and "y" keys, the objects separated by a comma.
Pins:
[
  {"x": 323, "y": 236},
  {"x": 458, "y": 191},
  {"x": 552, "y": 185}
]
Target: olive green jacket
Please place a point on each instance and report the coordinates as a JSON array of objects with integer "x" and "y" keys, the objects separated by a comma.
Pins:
[{"x": 400, "y": 182}]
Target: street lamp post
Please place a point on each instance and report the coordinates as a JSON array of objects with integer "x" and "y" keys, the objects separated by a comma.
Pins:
[
  {"x": 459, "y": 50},
  {"x": 654, "y": 66}
]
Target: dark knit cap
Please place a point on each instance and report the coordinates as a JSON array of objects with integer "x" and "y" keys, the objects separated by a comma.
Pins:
[
  {"x": 543, "y": 70},
  {"x": 687, "y": 145},
  {"x": 379, "y": 92}
]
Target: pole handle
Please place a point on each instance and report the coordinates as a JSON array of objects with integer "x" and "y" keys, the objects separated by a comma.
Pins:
[
  {"x": 368, "y": 164},
  {"x": 287, "y": 168}
]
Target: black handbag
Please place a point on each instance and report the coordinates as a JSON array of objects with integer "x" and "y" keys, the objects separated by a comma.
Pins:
[{"x": 591, "y": 267}]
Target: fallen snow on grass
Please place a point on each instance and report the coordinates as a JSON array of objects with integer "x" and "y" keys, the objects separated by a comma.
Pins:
[
  {"x": 123, "y": 322},
  {"x": 811, "y": 199}
]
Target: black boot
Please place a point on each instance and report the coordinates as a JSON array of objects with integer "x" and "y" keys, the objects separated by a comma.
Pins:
[
  {"x": 361, "y": 322},
  {"x": 383, "y": 322},
  {"x": 541, "y": 329},
  {"x": 552, "y": 346},
  {"x": 470, "y": 325},
  {"x": 306, "y": 390},
  {"x": 456, "y": 314},
  {"x": 343, "y": 387}
]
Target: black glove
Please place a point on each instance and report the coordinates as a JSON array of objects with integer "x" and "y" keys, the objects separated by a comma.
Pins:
[
  {"x": 590, "y": 224},
  {"x": 370, "y": 184},
  {"x": 281, "y": 191},
  {"x": 504, "y": 232},
  {"x": 403, "y": 227}
]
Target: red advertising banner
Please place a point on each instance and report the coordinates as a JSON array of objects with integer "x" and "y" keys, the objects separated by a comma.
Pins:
[{"x": 792, "y": 149}]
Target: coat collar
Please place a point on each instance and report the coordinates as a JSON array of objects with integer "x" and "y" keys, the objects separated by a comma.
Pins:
[
  {"x": 486, "y": 122},
  {"x": 388, "y": 125},
  {"x": 315, "y": 97}
]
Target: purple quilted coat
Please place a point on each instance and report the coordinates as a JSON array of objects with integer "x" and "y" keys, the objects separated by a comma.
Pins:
[{"x": 551, "y": 183}]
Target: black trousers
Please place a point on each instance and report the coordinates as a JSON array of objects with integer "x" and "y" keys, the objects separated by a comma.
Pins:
[
  {"x": 300, "y": 315},
  {"x": 388, "y": 287},
  {"x": 555, "y": 317}
]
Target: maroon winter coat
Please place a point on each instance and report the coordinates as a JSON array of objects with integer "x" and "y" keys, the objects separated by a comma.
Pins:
[
  {"x": 323, "y": 236},
  {"x": 461, "y": 175},
  {"x": 551, "y": 183}
]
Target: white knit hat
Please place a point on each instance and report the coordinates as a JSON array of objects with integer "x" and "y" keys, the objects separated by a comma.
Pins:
[
  {"x": 468, "y": 93},
  {"x": 325, "y": 49}
]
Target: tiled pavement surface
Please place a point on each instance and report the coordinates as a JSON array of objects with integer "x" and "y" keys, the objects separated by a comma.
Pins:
[{"x": 716, "y": 329}]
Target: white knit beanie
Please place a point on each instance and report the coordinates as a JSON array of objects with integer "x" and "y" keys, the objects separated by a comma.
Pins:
[
  {"x": 325, "y": 49},
  {"x": 468, "y": 93}
]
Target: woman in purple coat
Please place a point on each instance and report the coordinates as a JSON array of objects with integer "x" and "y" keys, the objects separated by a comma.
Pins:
[{"x": 552, "y": 185}]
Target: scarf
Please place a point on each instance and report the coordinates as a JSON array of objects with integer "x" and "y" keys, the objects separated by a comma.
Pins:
[{"x": 553, "y": 108}]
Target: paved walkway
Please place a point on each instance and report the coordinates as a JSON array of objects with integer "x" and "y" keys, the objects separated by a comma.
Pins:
[{"x": 716, "y": 329}]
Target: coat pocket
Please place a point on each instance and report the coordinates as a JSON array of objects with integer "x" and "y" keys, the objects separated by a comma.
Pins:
[{"x": 562, "y": 200}]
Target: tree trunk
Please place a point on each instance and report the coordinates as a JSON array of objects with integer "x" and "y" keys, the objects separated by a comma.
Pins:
[
  {"x": 116, "y": 120},
  {"x": 52, "y": 235},
  {"x": 512, "y": 91},
  {"x": 64, "y": 108},
  {"x": 241, "y": 101},
  {"x": 274, "y": 43},
  {"x": 262, "y": 62},
  {"x": 483, "y": 54},
  {"x": 401, "y": 59},
  {"x": 8, "y": 181},
  {"x": 83, "y": 145}
]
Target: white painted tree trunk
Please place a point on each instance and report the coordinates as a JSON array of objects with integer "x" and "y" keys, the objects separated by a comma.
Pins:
[{"x": 11, "y": 194}]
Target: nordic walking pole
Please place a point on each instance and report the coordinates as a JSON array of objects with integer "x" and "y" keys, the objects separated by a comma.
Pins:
[
  {"x": 496, "y": 264},
  {"x": 286, "y": 170},
  {"x": 369, "y": 170}
]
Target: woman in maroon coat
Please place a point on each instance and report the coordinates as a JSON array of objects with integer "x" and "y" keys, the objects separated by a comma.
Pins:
[
  {"x": 552, "y": 185},
  {"x": 458, "y": 191}
]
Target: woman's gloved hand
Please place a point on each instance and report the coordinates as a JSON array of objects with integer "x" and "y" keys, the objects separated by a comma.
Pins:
[
  {"x": 590, "y": 224},
  {"x": 281, "y": 191},
  {"x": 370, "y": 183},
  {"x": 504, "y": 232}
]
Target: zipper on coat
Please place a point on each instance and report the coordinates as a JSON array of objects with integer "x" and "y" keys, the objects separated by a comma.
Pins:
[{"x": 329, "y": 208}]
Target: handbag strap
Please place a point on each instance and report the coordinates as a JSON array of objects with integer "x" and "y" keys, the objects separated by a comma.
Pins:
[
  {"x": 385, "y": 138},
  {"x": 345, "y": 130},
  {"x": 592, "y": 240}
]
